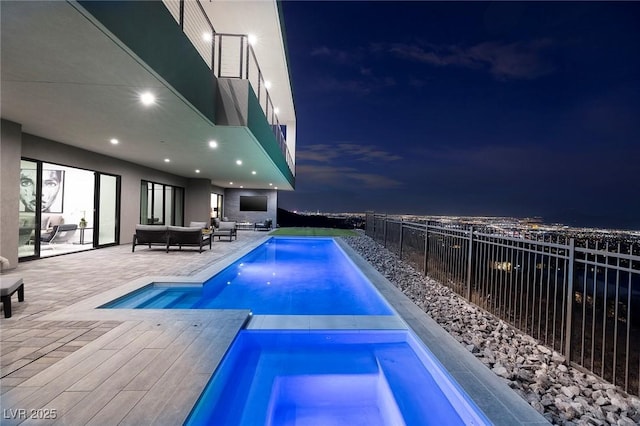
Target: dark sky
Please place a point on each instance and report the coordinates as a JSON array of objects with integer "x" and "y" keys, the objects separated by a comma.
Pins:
[{"x": 467, "y": 108}]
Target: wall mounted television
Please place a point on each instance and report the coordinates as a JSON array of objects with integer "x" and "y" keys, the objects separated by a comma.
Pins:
[{"x": 253, "y": 203}]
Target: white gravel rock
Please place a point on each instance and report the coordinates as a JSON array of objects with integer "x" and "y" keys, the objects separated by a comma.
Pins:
[{"x": 563, "y": 394}]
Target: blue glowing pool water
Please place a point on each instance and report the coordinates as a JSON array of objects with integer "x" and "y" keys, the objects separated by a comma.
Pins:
[
  {"x": 330, "y": 378},
  {"x": 283, "y": 276}
]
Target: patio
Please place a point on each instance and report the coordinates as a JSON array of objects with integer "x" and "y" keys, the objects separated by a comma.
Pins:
[
  {"x": 107, "y": 364},
  {"x": 65, "y": 361}
]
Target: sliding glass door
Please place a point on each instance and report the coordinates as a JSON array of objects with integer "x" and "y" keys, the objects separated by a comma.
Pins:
[
  {"x": 161, "y": 204},
  {"x": 65, "y": 209},
  {"x": 28, "y": 232},
  {"x": 108, "y": 208}
]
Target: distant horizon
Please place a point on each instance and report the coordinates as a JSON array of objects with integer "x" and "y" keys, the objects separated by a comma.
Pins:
[
  {"x": 478, "y": 108},
  {"x": 570, "y": 223}
]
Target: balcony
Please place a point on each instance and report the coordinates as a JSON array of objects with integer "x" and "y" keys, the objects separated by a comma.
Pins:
[{"x": 230, "y": 56}]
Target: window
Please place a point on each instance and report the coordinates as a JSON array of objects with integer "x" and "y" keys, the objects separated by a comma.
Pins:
[{"x": 161, "y": 204}]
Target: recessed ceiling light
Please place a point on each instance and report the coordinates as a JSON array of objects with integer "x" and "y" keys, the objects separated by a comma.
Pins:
[
  {"x": 197, "y": 170},
  {"x": 166, "y": 160},
  {"x": 239, "y": 162},
  {"x": 114, "y": 141},
  {"x": 207, "y": 36},
  {"x": 276, "y": 110},
  {"x": 213, "y": 144},
  {"x": 267, "y": 84},
  {"x": 241, "y": 186},
  {"x": 252, "y": 39},
  {"x": 270, "y": 184},
  {"x": 253, "y": 172},
  {"x": 147, "y": 98},
  {"x": 276, "y": 187},
  {"x": 230, "y": 183}
]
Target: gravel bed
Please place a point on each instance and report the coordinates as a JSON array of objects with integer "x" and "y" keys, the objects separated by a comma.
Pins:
[{"x": 543, "y": 377}]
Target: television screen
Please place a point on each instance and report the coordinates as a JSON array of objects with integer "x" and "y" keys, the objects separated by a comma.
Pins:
[{"x": 254, "y": 203}]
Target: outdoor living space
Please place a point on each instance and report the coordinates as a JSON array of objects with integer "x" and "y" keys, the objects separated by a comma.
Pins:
[
  {"x": 82, "y": 369},
  {"x": 64, "y": 359}
]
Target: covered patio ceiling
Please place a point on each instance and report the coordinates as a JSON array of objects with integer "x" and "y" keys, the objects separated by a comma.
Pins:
[{"x": 67, "y": 79}]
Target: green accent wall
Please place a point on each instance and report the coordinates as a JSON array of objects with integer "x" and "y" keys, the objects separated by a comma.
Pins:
[
  {"x": 261, "y": 129},
  {"x": 151, "y": 32}
]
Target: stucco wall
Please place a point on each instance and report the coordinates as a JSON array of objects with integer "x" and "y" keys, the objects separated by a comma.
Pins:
[
  {"x": 197, "y": 201},
  {"x": 10, "y": 142}
]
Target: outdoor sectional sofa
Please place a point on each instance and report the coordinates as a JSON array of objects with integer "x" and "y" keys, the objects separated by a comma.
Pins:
[{"x": 168, "y": 236}]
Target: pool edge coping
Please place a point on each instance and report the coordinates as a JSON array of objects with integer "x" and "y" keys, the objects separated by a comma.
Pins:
[{"x": 498, "y": 402}]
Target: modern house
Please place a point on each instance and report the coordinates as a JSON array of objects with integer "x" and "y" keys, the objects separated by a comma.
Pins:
[{"x": 116, "y": 113}]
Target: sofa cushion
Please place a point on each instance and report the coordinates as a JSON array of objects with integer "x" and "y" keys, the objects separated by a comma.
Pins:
[
  {"x": 184, "y": 229},
  {"x": 151, "y": 227},
  {"x": 201, "y": 225}
]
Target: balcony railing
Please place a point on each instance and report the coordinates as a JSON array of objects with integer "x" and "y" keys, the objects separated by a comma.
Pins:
[
  {"x": 579, "y": 297},
  {"x": 228, "y": 56}
]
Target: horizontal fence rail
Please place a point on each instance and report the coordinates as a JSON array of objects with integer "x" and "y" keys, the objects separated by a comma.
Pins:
[
  {"x": 578, "y": 297},
  {"x": 228, "y": 56}
]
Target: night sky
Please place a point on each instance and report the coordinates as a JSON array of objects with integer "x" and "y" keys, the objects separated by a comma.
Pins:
[{"x": 467, "y": 108}]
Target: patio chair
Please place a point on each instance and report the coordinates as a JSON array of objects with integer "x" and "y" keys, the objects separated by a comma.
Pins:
[
  {"x": 59, "y": 234},
  {"x": 264, "y": 225},
  {"x": 226, "y": 229},
  {"x": 8, "y": 286}
]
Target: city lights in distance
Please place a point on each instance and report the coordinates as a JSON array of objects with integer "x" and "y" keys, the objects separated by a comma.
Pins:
[
  {"x": 213, "y": 144},
  {"x": 114, "y": 141},
  {"x": 147, "y": 98}
]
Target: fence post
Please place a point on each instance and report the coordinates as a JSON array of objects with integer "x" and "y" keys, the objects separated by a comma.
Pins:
[
  {"x": 384, "y": 230},
  {"x": 426, "y": 247},
  {"x": 469, "y": 260},
  {"x": 401, "y": 229},
  {"x": 569, "y": 306}
]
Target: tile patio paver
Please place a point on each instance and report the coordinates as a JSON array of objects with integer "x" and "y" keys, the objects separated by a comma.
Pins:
[{"x": 94, "y": 369}]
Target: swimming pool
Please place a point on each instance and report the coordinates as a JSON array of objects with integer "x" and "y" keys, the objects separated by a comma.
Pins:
[
  {"x": 283, "y": 276},
  {"x": 279, "y": 372},
  {"x": 329, "y": 378}
]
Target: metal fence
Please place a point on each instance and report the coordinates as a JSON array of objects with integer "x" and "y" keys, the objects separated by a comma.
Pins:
[
  {"x": 228, "y": 56},
  {"x": 578, "y": 297}
]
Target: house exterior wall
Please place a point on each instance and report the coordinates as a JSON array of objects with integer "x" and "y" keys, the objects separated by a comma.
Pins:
[
  {"x": 10, "y": 145},
  {"x": 232, "y": 205},
  {"x": 197, "y": 201},
  {"x": 131, "y": 174}
]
